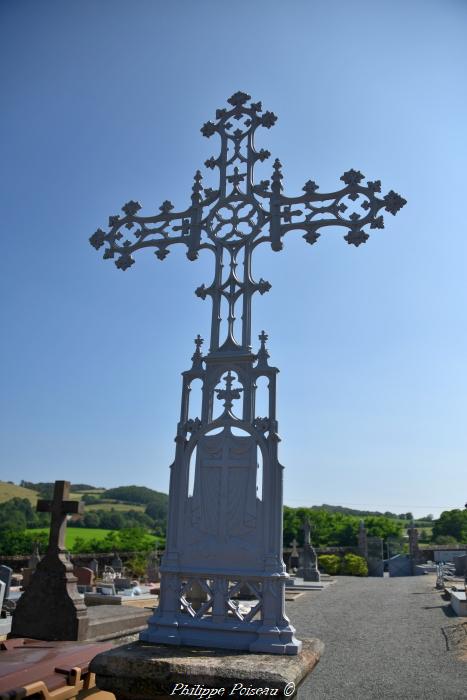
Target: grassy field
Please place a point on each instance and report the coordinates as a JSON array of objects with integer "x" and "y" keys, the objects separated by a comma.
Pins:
[
  {"x": 8, "y": 491},
  {"x": 72, "y": 533},
  {"x": 120, "y": 507}
]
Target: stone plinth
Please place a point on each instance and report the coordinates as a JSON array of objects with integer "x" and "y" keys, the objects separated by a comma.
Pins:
[
  {"x": 142, "y": 671},
  {"x": 102, "y": 623},
  {"x": 459, "y": 603}
]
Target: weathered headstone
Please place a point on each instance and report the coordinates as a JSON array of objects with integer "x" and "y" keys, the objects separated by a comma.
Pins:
[
  {"x": 84, "y": 576},
  {"x": 117, "y": 564},
  {"x": 51, "y": 607},
  {"x": 225, "y": 500},
  {"x": 308, "y": 560}
]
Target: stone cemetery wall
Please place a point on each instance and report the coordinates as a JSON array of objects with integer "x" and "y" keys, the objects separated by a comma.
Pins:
[{"x": 19, "y": 562}]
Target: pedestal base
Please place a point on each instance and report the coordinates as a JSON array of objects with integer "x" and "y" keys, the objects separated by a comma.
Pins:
[
  {"x": 142, "y": 671},
  {"x": 256, "y": 637}
]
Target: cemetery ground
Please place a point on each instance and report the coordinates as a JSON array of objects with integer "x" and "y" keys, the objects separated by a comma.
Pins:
[{"x": 384, "y": 638}]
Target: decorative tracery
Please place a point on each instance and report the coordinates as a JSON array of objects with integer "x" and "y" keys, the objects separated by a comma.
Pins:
[{"x": 240, "y": 213}]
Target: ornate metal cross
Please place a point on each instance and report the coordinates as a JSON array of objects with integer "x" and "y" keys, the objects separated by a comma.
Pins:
[
  {"x": 59, "y": 507},
  {"x": 225, "y": 524}
]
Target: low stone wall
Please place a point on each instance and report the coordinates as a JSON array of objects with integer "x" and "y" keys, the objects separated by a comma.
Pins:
[{"x": 19, "y": 562}]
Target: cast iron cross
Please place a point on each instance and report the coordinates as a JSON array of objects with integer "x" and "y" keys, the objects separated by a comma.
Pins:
[
  {"x": 59, "y": 507},
  {"x": 230, "y": 220},
  {"x": 226, "y": 527}
]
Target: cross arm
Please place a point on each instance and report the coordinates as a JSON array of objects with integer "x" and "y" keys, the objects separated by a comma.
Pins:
[
  {"x": 132, "y": 232},
  {"x": 355, "y": 206},
  {"x": 66, "y": 507}
]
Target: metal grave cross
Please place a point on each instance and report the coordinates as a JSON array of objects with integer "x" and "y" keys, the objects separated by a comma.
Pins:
[
  {"x": 59, "y": 507},
  {"x": 224, "y": 534}
]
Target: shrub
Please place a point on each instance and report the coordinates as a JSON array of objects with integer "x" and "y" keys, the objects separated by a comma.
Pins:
[
  {"x": 445, "y": 539},
  {"x": 353, "y": 565},
  {"x": 137, "y": 566},
  {"x": 329, "y": 563}
]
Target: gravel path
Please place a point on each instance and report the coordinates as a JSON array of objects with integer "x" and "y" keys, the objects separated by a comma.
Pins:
[{"x": 384, "y": 638}]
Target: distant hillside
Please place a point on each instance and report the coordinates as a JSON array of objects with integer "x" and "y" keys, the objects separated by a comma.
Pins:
[
  {"x": 9, "y": 491},
  {"x": 135, "y": 494},
  {"x": 352, "y": 511},
  {"x": 122, "y": 498}
]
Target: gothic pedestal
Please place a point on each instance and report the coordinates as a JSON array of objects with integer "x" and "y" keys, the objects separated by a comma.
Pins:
[
  {"x": 221, "y": 619},
  {"x": 146, "y": 671}
]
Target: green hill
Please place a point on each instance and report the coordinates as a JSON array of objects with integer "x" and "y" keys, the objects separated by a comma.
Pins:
[{"x": 9, "y": 491}]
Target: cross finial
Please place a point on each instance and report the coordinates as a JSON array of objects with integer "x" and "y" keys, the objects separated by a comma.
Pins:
[
  {"x": 197, "y": 186},
  {"x": 197, "y": 357},
  {"x": 59, "y": 507},
  {"x": 277, "y": 176},
  {"x": 263, "y": 354},
  {"x": 230, "y": 395}
]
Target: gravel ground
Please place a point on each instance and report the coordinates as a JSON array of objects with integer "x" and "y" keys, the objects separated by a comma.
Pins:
[{"x": 384, "y": 638}]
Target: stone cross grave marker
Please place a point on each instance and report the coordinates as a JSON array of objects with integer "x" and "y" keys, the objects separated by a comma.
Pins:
[
  {"x": 51, "y": 607},
  {"x": 59, "y": 508},
  {"x": 225, "y": 497}
]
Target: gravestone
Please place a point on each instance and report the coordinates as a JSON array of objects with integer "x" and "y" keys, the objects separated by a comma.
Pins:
[
  {"x": 2, "y": 593},
  {"x": 226, "y": 484},
  {"x": 28, "y": 571},
  {"x": 308, "y": 560},
  {"x": 294, "y": 559},
  {"x": 117, "y": 564},
  {"x": 94, "y": 566},
  {"x": 5, "y": 575},
  {"x": 5, "y": 618},
  {"x": 152, "y": 570},
  {"x": 122, "y": 583},
  {"x": 51, "y": 607},
  {"x": 460, "y": 565},
  {"x": 84, "y": 576}
]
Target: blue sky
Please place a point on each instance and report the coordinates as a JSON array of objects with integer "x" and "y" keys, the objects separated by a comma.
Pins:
[{"x": 103, "y": 102}]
